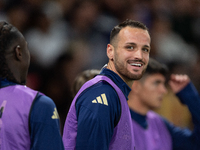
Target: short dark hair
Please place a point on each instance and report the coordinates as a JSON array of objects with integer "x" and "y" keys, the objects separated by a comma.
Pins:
[
  {"x": 154, "y": 67},
  {"x": 128, "y": 22},
  {"x": 7, "y": 38}
]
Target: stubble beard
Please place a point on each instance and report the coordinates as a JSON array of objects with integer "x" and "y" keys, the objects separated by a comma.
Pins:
[{"x": 125, "y": 73}]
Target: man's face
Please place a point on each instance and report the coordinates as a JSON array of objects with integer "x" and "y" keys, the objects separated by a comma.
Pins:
[
  {"x": 131, "y": 53},
  {"x": 152, "y": 90}
]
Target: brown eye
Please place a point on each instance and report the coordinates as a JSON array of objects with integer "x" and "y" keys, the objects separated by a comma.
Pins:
[
  {"x": 130, "y": 47},
  {"x": 146, "y": 49}
]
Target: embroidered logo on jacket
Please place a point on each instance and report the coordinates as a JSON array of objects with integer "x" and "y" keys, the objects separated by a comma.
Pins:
[
  {"x": 55, "y": 114},
  {"x": 101, "y": 99}
]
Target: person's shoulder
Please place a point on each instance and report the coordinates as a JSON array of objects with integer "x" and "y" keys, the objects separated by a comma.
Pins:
[
  {"x": 44, "y": 101},
  {"x": 99, "y": 89},
  {"x": 156, "y": 117},
  {"x": 101, "y": 86},
  {"x": 39, "y": 98},
  {"x": 23, "y": 90},
  {"x": 99, "y": 97},
  {"x": 153, "y": 115},
  {"x": 43, "y": 107}
]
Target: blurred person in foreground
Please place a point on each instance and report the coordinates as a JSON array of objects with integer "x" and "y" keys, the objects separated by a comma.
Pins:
[
  {"x": 152, "y": 131},
  {"x": 99, "y": 116},
  {"x": 28, "y": 119}
]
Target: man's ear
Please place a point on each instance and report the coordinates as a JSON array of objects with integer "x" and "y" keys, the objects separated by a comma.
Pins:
[
  {"x": 18, "y": 52},
  {"x": 110, "y": 51}
]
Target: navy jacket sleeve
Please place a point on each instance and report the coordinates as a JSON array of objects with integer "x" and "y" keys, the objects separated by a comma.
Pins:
[
  {"x": 98, "y": 111},
  {"x": 184, "y": 139},
  {"x": 44, "y": 125}
]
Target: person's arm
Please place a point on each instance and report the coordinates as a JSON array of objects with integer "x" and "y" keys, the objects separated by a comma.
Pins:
[
  {"x": 96, "y": 120},
  {"x": 44, "y": 125},
  {"x": 185, "y": 139}
]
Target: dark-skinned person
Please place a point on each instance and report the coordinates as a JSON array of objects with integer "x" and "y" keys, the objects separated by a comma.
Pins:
[{"x": 28, "y": 119}]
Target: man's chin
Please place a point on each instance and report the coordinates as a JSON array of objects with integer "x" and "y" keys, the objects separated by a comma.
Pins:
[{"x": 136, "y": 76}]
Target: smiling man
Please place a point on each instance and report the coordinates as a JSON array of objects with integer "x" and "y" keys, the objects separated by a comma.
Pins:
[{"x": 99, "y": 117}]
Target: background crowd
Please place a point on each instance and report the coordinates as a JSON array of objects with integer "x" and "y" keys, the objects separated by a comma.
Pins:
[{"x": 66, "y": 37}]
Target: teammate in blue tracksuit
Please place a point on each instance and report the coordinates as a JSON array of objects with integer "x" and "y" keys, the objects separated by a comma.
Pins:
[
  {"x": 98, "y": 138},
  {"x": 152, "y": 131},
  {"x": 99, "y": 116},
  {"x": 28, "y": 119}
]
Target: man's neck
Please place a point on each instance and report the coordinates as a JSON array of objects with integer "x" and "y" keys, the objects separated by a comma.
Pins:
[
  {"x": 136, "y": 105},
  {"x": 112, "y": 67}
]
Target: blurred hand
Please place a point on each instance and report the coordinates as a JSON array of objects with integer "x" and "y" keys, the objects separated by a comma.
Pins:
[{"x": 177, "y": 82}]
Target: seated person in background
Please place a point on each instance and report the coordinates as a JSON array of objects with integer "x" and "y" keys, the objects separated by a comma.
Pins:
[
  {"x": 152, "y": 131},
  {"x": 82, "y": 78}
]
